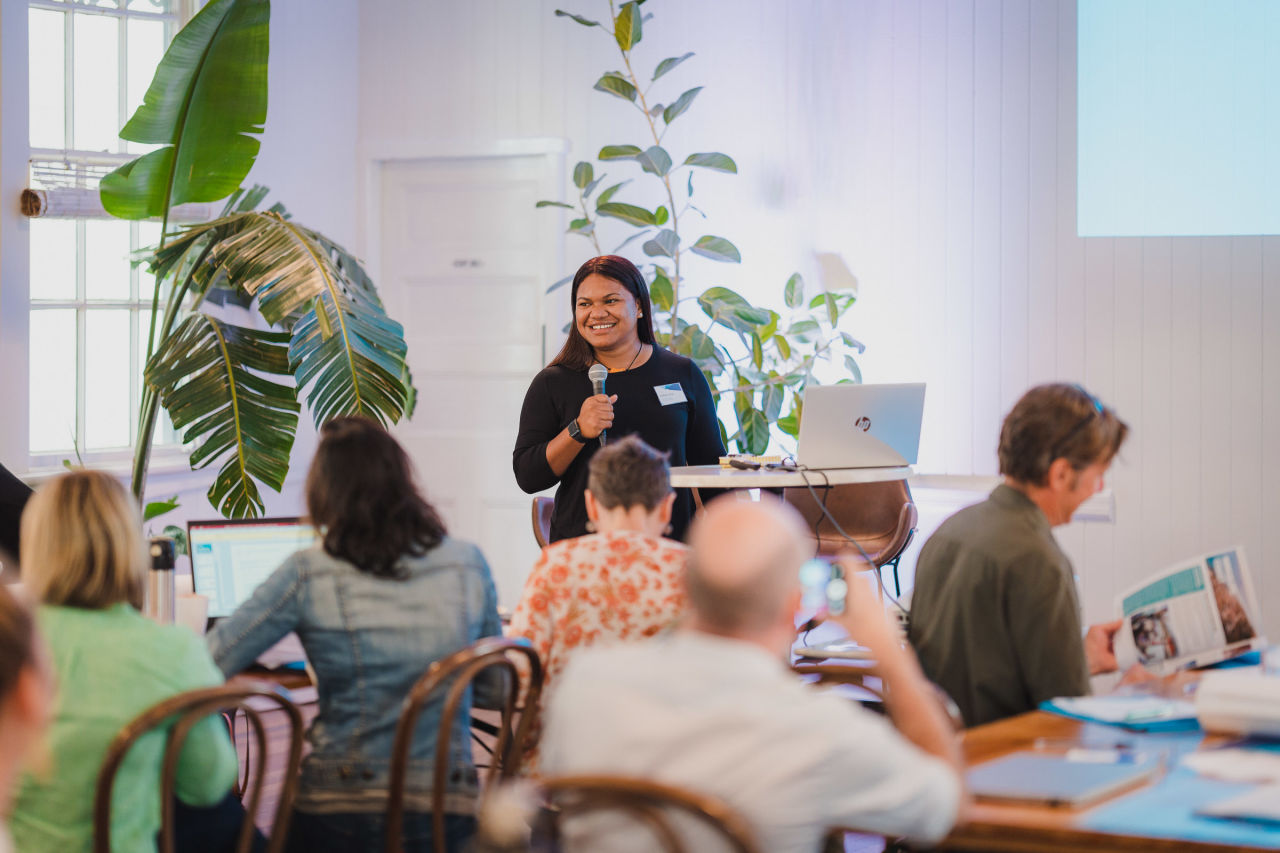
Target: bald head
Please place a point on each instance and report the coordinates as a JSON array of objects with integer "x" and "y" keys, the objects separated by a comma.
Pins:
[{"x": 745, "y": 564}]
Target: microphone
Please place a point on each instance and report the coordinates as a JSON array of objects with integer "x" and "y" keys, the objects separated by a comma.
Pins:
[{"x": 597, "y": 373}]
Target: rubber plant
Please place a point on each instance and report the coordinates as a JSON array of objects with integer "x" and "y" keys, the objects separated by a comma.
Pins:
[
  {"x": 234, "y": 388},
  {"x": 758, "y": 357}
]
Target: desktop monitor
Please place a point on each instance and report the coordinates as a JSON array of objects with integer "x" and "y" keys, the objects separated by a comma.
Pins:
[{"x": 229, "y": 559}]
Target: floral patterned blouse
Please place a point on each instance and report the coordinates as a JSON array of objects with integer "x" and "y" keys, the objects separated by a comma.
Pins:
[{"x": 603, "y": 587}]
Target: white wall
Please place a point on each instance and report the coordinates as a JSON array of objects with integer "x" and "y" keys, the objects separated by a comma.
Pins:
[{"x": 933, "y": 145}]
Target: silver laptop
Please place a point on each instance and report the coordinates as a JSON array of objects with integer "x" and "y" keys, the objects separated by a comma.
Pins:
[{"x": 860, "y": 426}]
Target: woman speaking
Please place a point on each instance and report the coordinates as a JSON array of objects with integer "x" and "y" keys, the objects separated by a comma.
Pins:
[{"x": 650, "y": 392}]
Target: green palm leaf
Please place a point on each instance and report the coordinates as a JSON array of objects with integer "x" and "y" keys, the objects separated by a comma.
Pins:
[
  {"x": 214, "y": 380},
  {"x": 344, "y": 347},
  {"x": 208, "y": 95}
]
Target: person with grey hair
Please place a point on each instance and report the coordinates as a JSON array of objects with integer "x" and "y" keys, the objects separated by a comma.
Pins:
[
  {"x": 623, "y": 581},
  {"x": 713, "y": 707}
]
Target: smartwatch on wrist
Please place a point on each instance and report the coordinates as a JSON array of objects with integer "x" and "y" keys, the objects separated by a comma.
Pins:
[{"x": 575, "y": 433}]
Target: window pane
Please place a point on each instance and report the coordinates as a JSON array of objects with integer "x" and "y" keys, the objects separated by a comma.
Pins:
[
  {"x": 46, "y": 45},
  {"x": 107, "y": 412},
  {"x": 149, "y": 5},
  {"x": 97, "y": 119},
  {"x": 52, "y": 355},
  {"x": 53, "y": 259},
  {"x": 145, "y": 47},
  {"x": 106, "y": 259}
]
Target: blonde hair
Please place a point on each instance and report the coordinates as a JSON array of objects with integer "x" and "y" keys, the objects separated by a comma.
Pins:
[{"x": 82, "y": 543}]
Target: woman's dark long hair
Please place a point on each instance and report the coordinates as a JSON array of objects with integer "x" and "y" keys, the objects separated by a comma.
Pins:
[
  {"x": 360, "y": 493},
  {"x": 577, "y": 354}
]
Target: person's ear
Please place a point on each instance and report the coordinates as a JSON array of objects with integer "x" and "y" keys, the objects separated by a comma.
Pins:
[
  {"x": 593, "y": 508},
  {"x": 1060, "y": 475},
  {"x": 666, "y": 506}
]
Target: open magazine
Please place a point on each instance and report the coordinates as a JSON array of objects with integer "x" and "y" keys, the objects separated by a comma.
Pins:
[{"x": 1195, "y": 613}]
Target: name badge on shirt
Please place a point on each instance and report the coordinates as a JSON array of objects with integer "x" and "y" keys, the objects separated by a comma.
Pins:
[{"x": 669, "y": 395}]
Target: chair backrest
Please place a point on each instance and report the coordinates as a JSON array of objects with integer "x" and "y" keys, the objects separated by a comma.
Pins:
[
  {"x": 880, "y": 516},
  {"x": 456, "y": 672},
  {"x": 181, "y": 713},
  {"x": 542, "y": 520},
  {"x": 650, "y": 803}
]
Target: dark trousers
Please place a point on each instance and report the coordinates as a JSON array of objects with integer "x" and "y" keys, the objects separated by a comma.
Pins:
[
  {"x": 359, "y": 833},
  {"x": 211, "y": 830}
]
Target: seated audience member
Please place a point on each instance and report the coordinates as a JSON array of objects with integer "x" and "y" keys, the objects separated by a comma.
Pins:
[
  {"x": 85, "y": 562},
  {"x": 14, "y": 495},
  {"x": 713, "y": 706},
  {"x": 994, "y": 616},
  {"x": 385, "y": 594},
  {"x": 25, "y": 698},
  {"x": 623, "y": 582}
]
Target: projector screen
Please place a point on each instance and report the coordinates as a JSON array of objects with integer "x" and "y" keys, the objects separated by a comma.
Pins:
[{"x": 1178, "y": 116}]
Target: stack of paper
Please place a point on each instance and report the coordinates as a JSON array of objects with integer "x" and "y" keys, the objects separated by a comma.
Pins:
[{"x": 1146, "y": 713}]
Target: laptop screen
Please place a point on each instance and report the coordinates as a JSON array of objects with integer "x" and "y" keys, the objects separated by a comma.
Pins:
[{"x": 229, "y": 559}]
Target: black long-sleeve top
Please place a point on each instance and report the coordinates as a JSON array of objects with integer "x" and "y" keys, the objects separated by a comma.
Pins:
[
  {"x": 13, "y": 497},
  {"x": 688, "y": 429}
]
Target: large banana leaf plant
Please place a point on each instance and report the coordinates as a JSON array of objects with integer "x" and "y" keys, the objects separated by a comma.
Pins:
[{"x": 230, "y": 386}]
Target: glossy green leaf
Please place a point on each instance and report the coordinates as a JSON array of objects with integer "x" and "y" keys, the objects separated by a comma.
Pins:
[
  {"x": 626, "y": 27},
  {"x": 664, "y": 244},
  {"x": 205, "y": 104},
  {"x": 852, "y": 366},
  {"x": 618, "y": 152},
  {"x": 655, "y": 160},
  {"x": 218, "y": 382},
  {"x": 767, "y": 330},
  {"x": 717, "y": 249},
  {"x": 616, "y": 85},
  {"x": 712, "y": 160},
  {"x": 757, "y": 351},
  {"x": 154, "y": 509},
  {"x": 754, "y": 432},
  {"x": 581, "y": 226},
  {"x": 668, "y": 64},
  {"x": 589, "y": 188},
  {"x": 627, "y": 213},
  {"x": 771, "y": 401},
  {"x": 553, "y": 204},
  {"x": 681, "y": 104},
  {"x": 853, "y": 343},
  {"x": 604, "y": 197},
  {"x": 728, "y": 308},
  {"x": 661, "y": 215},
  {"x": 582, "y": 174},
  {"x": 179, "y": 537},
  {"x": 694, "y": 343},
  {"x": 790, "y": 424},
  {"x": 794, "y": 291},
  {"x": 783, "y": 346},
  {"x": 804, "y": 330},
  {"x": 656, "y": 110},
  {"x": 586, "y": 22},
  {"x": 661, "y": 292}
]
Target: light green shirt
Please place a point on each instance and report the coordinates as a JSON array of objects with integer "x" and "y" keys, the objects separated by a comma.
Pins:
[{"x": 111, "y": 665}]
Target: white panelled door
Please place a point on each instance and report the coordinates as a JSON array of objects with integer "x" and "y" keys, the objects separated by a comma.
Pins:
[{"x": 464, "y": 261}]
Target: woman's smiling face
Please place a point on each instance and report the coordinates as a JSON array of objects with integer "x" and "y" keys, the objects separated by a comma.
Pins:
[{"x": 605, "y": 314}]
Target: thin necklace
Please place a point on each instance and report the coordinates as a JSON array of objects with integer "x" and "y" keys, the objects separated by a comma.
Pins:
[{"x": 633, "y": 359}]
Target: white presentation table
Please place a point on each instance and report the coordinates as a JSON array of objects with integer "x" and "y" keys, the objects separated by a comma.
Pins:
[{"x": 715, "y": 477}]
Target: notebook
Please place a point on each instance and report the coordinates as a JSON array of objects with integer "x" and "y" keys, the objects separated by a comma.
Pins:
[{"x": 1075, "y": 779}]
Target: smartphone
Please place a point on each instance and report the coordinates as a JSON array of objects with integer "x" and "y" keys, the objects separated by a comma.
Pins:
[{"x": 824, "y": 586}]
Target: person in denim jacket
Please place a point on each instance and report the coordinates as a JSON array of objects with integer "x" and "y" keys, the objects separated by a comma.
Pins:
[{"x": 385, "y": 593}]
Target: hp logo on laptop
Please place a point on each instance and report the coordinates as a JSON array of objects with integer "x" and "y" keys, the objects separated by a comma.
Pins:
[{"x": 863, "y": 423}]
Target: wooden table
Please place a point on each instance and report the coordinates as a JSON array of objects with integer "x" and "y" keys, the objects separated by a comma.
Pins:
[{"x": 999, "y": 826}]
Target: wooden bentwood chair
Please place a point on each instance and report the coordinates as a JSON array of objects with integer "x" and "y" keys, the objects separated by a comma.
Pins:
[
  {"x": 881, "y": 517},
  {"x": 455, "y": 674},
  {"x": 542, "y": 520},
  {"x": 181, "y": 713},
  {"x": 650, "y": 803}
]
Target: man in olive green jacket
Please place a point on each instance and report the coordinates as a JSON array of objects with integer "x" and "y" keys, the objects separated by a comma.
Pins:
[{"x": 995, "y": 619}]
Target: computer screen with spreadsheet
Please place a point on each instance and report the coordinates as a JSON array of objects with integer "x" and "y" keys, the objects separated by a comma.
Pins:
[{"x": 229, "y": 559}]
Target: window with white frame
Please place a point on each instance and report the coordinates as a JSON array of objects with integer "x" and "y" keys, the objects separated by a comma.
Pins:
[{"x": 91, "y": 62}]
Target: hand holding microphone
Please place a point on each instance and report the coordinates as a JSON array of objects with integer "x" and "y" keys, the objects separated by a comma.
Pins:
[{"x": 596, "y": 415}]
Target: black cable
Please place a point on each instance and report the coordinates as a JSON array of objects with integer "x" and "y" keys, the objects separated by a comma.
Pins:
[{"x": 804, "y": 472}]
